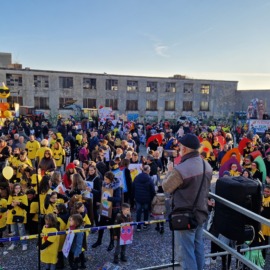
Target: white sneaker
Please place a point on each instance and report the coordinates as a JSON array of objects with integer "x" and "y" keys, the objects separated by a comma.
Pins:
[
  {"x": 11, "y": 247},
  {"x": 24, "y": 247}
]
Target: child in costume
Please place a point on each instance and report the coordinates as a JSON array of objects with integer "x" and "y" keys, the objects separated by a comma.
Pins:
[
  {"x": 62, "y": 219},
  {"x": 16, "y": 216},
  {"x": 3, "y": 217},
  {"x": 50, "y": 244}
]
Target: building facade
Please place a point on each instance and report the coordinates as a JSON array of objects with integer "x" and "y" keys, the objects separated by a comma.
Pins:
[{"x": 147, "y": 97}]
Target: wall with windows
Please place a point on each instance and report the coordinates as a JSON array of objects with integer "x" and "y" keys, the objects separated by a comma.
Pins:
[{"x": 147, "y": 96}]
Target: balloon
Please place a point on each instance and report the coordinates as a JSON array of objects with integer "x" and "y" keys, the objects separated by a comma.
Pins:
[
  {"x": 8, "y": 172},
  {"x": 7, "y": 114}
]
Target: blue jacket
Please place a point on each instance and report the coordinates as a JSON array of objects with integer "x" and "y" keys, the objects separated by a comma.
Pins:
[
  {"x": 143, "y": 188},
  {"x": 77, "y": 244}
]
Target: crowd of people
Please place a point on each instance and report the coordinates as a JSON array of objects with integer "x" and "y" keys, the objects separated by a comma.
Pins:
[{"x": 59, "y": 175}]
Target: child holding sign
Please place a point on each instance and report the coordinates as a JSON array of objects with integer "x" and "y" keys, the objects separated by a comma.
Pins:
[
  {"x": 74, "y": 257},
  {"x": 122, "y": 235}
]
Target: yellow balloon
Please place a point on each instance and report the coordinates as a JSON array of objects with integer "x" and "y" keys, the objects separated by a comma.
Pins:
[
  {"x": 7, "y": 114},
  {"x": 8, "y": 172}
]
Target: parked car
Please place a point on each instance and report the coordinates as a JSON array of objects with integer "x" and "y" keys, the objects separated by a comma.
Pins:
[{"x": 190, "y": 119}]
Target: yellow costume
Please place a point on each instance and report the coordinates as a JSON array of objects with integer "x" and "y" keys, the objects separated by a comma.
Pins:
[
  {"x": 18, "y": 210},
  {"x": 49, "y": 254},
  {"x": 58, "y": 155},
  {"x": 34, "y": 210},
  {"x": 42, "y": 200},
  {"x": 62, "y": 227},
  {"x": 79, "y": 138},
  {"x": 3, "y": 215},
  {"x": 265, "y": 228},
  {"x": 32, "y": 148},
  {"x": 234, "y": 173}
]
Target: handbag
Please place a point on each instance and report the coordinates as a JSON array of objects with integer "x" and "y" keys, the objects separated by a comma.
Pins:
[
  {"x": 181, "y": 219},
  {"x": 18, "y": 219}
]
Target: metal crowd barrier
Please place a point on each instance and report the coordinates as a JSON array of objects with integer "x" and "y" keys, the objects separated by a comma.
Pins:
[{"x": 228, "y": 249}]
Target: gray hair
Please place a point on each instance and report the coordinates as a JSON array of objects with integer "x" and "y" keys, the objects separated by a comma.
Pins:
[{"x": 146, "y": 168}]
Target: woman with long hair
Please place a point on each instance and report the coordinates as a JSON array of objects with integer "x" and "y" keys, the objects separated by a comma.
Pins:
[
  {"x": 16, "y": 216},
  {"x": 58, "y": 154},
  {"x": 94, "y": 180},
  {"x": 110, "y": 182},
  {"x": 70, "y": 170},
  {"x": 4, "y": 153},
  {"x": 47, "y": 163}
]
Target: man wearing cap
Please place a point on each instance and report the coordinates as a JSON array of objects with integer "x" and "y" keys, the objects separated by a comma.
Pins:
[{"x": 183, "y": 182}]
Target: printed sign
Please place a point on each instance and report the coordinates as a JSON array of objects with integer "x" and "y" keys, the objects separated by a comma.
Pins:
[
  {"x": 60, "y": 189},
  {"x": 259, "y": 126},
  {"x": 135, "y": 169},
  {"x": 126, "y": 235},
  {"x": 106, "y": 206},
  {"x": 119, "y": 175},
  {"x": 68, "y": 243}
]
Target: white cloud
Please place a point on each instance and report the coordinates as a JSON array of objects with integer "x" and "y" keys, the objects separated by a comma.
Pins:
[{"x": 161, "y": 50}]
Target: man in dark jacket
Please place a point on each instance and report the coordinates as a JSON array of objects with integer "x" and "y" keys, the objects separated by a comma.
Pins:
[
  {"x": 189, "y": 178},
  {"x": 143, "y": 192}
]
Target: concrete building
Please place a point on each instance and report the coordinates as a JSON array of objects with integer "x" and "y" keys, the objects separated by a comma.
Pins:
[
  {"x": 150, "y": 97},
  {"x": 135, "y": 96},
  {"x": 5, "y": 59}
]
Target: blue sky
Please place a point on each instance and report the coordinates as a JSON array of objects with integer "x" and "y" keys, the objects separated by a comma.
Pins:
[{"x": 208, "y": 39}]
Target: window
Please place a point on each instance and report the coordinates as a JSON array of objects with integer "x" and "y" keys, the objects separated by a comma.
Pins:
[
  {"x": 187, "y": 105},
  {"x": 14, "y": 79},
  {"x": 89, "y": 83},
  {"x": 66, "y": 82},
  {"x": 65, "y": 102},
  {"x": 188, "y": 88},
  {"x": 151, "y": 87},
  {"x": 41, "y": 81},
  {"x": 205, "y": 89},
  {"x": 89, "y": 103},
  {"x": 170, "y": 105},
  {"x": 151, "y": 105},
  {"x": 113, "y": 103},
  {"x": 132, "y": 86},
  {"x": 204, "y": 106},
  {"x": 14, "y": 99},
  {"x": 111, "y": 84},
  {"x": 170, "y": 87},
  {"x": 132, "y": 105},
  {"x": 42, "y": 103}
]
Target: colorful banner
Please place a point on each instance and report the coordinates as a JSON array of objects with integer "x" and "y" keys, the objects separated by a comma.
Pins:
[
  {"x": 106, "y": 206},
  {"x": 259, "y": 126},
  {"x": 135, "y": 169}
]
